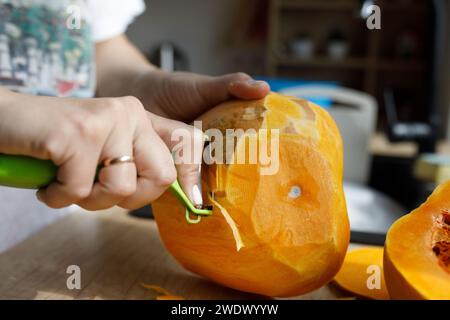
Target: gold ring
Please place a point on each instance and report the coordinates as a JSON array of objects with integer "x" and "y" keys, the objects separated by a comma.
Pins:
[{"x": 123, "y": 159}]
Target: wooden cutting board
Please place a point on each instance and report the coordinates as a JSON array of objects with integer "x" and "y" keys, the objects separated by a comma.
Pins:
[{"x": 116, "y": 253}]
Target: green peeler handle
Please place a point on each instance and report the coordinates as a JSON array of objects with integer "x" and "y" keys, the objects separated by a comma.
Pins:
[{"x": 26, "y": 172}]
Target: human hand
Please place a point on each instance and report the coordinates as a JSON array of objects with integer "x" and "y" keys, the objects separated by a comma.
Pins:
[
  {"x": 184, "y": 96},
  {"x": 79, "y": 134}
]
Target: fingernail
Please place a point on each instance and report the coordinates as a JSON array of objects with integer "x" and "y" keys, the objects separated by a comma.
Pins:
[
  {"x": 197, "y": 196},
  {"x": 255, "y": 83}
]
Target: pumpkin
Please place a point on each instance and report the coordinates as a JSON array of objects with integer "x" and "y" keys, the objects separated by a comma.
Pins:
[
  {"x": 278, "y": 234},
  {"x": 417, "y": 250},
  {"x": 362, "y": 273}
]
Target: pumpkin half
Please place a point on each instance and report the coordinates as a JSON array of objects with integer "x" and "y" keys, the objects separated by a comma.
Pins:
[
  {"x": 417, "y": 250},
  {"x": 279, "y": 234}
]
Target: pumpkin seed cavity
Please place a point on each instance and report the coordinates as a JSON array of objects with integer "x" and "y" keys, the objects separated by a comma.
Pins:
[{"x": 441, "y": 241}]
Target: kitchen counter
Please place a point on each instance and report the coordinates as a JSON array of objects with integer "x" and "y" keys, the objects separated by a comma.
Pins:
[{"x": 116, "y": 253}]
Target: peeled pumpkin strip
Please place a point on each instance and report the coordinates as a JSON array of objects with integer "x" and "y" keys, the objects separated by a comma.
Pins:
[
  {"x": 163, "y": 294},
  {"x": 356, "y": 272},
  {"x": 229, "y": 220}
]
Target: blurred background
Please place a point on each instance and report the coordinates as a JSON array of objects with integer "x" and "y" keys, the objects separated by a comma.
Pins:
[{"x": 388, "y": 88}]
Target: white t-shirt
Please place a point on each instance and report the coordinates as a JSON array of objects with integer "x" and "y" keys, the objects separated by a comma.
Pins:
[
  {"x": 112, "y": 17},
  {"x": 47, "y": 46}
]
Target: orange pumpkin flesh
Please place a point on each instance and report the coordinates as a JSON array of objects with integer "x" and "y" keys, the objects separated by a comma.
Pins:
[
  {"x": 279, "y": 235},
  {"x": 417, "y": 250},
  {"x": 356, "y": 272}
]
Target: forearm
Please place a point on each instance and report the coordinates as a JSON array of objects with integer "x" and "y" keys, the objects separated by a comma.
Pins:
[
  {"x": 6, "y": 100},
  {"x": 5, "y": 95},
  {"x": 119, "y": 67}
]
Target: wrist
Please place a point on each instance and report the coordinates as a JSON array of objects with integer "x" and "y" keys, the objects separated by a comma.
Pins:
[
  {"x": 121, "y": 81},
  {"x": 148, "y": 85}
]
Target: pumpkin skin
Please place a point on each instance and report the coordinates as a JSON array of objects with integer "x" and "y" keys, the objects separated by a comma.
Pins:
[
  {"x": 290, "y": 244},
  {"x": 354, "y": 273},
  {"x": 417, "y": 250}
]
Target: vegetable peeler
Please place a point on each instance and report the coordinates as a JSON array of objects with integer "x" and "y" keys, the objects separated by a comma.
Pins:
[{"x": 31, "y": 173}]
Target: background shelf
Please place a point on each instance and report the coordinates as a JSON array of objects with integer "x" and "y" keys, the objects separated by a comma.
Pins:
[{"x": 396, "y": 57}]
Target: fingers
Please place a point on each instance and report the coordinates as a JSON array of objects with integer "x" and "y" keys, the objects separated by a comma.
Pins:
[
  {"x": 189, "y": 179},
  {"x": 238, "y": 85},
  {"x": 74, "y": 181},
  {"x": 155, "y": 167},
  {"x": 188, "y": 170},
  {"x": 115, "y": 182},
  {"x": 248, "y": 90},
  {"x": 186, "y": 143},
  {"x": 108, "y": 129}
]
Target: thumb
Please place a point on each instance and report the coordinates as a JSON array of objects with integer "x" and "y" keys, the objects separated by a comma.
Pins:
[
  {"x": 189, "y": 179},
  {"x": 189, "y": 175},
  {"x": 238, "y": 85},
  {"x": 187, "y": 155}
]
